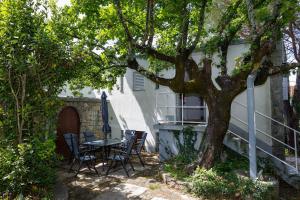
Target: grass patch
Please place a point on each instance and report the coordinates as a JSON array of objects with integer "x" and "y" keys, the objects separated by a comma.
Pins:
[{"x": 154, "y": 186}]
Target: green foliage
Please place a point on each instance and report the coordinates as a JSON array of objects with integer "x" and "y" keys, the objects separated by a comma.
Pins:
[
  {"x": 186, "y": 146},
  {"x": 221, "y": 181},
  {"x": 187, "y": 153},
  {"x": 34, "y": 65},
  {"x": 213, "y": 184},
  {"x": 175, "y": 167},
  {"x": 28, "y": 168}
]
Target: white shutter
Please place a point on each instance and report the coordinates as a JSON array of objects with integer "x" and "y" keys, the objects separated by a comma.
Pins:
[
  {"x": 138, "y": 82},
  {"x": 285, "y": 88}
]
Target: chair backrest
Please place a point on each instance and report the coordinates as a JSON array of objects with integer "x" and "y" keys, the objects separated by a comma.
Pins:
[
  {"x": 89, "y": 136},
  {"x": 130, "y": 145},
  {"x": 128, "y": 134},
  {"x": 72, "y": 142},
  {"x": 142, "y": 142}
]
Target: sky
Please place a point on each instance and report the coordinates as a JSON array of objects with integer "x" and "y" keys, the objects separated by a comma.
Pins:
[{"x": 63, "y": 2}]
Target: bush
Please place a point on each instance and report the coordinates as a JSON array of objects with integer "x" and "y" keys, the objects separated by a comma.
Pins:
[
  {"x": 28, "y": 168},
  {"x": 211, "y": 184},
  {"x": 221, "y": 181},
  {"x": 175, "y": 167}
]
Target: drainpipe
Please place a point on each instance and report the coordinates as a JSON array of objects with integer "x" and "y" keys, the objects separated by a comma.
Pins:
[{"x": 251, "y": 125}]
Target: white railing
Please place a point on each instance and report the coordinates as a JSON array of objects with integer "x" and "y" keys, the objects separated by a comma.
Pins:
[
  {"x": 296, "y": 134},
  {"x": 163, "y": 111}
]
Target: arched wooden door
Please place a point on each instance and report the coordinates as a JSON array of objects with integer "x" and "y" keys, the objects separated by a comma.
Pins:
[{"x": 68, "y": 122}]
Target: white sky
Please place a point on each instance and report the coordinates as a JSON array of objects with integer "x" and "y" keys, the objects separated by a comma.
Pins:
[{"x": 63, "y": 2}]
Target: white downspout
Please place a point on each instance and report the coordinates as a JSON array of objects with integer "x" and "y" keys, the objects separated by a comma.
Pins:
[{"x": 251, "y": 125}]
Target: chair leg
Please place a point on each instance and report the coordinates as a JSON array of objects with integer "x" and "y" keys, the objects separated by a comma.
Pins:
[
  {"x": 109, "y": 167},
  {"x": 131, "y": 165},
  {"x": 94, "y": 166},
  {"x": 87, "y": 164},
  {"x": 124, "y": 167},
  {"x": 80, "y": 164},
  {"x": 141, "y": 161},
  {"x": 72, "y": 164},
  {"x": 103, "y": 159}
]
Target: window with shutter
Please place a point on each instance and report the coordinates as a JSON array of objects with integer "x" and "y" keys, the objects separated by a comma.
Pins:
[{"x": 138, "y": 82}]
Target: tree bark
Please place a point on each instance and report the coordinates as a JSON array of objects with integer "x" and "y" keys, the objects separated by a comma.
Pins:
[{"x": 212, "y": 140}]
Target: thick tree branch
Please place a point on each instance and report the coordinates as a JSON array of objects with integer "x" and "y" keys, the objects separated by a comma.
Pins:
[
  {"x": 155, "y": 53},
  {"x": 133, "y": 64}
]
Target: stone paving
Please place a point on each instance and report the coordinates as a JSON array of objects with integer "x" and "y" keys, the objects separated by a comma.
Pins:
[{"x": 143, "y": 184}]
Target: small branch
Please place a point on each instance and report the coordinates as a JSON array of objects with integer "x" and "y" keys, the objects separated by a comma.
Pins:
[
  {"x": 200, "y": 25},
  {"x": 184, "y": 28},
  {"x": 291, "y": 34},
  {"x": 273, "y": 70},
  {"x": 228, "y": 16},
  {"x": 151, "y": 23},
  {"x": 251, "y": 18},
  {"x": 122, "y": 20}
]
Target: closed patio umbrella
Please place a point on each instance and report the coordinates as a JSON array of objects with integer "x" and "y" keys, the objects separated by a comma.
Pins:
[{"x": 104, "y": 108}]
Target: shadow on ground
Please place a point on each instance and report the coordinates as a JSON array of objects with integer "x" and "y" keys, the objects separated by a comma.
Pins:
[{"x": 144, "y": 183}]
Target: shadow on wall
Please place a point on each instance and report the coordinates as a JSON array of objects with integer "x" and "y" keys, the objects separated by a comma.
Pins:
[
  {"x": 113, "y": 122},
  {"x": 145, "y": 102}
]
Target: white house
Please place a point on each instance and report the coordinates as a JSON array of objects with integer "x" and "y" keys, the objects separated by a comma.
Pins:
[{"x": 139, "y": 104}]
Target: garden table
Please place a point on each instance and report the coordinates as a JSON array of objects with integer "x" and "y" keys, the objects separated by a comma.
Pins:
[
  {"x": 106, "y": 144},
  {"x": 103, "y": 143}
]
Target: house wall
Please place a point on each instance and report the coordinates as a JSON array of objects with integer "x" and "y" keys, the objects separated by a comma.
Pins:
[{"x": 131, "y": 109}]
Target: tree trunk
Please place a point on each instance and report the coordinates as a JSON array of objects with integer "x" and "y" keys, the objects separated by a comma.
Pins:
[{"x": 212, "y": 141}]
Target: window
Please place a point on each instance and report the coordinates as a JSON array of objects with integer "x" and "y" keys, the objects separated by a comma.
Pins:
[
  {"x": 138, "y": 82},
  {"x": 194, "y": 108}
]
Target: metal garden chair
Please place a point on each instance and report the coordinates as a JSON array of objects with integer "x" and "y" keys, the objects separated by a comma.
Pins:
[
  {"x": 122, "y": 156},
  {"x": 139, "y": 146},
  {"x": 89, "y": 136},
  {"x": 79, "y": 156}
]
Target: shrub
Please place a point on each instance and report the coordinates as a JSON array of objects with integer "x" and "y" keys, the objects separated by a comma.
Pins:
[
  {"x": 221, "y": 181},
  {"x": 211, "y": 184},
  {"x": 28, "y": 168}
]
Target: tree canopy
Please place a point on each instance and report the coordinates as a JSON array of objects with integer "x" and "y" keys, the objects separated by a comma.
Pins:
[
  {"x": 114, "y": 34},
  {"x": 34, "y": 66}
]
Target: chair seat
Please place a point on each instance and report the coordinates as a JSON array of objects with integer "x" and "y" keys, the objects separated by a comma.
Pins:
[
  {"x": 87, "y": 158},
  {"x": 116, "y": 157}
]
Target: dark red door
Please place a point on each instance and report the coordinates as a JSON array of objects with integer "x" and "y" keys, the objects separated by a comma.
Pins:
[{"x": 68, "y": 122}]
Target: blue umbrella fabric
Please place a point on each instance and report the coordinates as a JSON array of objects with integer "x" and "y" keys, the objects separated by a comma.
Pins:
[{"x": 104, "y": 108}]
